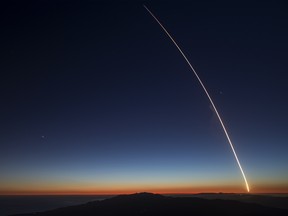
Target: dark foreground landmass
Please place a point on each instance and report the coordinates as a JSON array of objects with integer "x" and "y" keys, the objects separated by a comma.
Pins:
[
  {"x": 145, "y": 204},
  {"x": 271, "y": 200}
]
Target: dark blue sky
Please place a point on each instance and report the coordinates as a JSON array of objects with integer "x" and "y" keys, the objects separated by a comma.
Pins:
[{"x": 95, "y": 98}]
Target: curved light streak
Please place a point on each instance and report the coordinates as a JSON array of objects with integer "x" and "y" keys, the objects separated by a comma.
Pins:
[{"x": 208, "y": 95}]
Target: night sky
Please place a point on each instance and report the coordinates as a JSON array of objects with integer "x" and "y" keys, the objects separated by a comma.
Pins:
[{"x": 96, "y": 99}]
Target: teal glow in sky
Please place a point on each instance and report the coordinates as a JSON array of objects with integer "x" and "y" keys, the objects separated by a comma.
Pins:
[{"x": 96, "y": 99}]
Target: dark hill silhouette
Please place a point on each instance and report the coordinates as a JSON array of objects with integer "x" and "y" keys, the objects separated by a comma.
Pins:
[
  {"x": 266, "y": 200},
  {"x": 147, "y": 204}
]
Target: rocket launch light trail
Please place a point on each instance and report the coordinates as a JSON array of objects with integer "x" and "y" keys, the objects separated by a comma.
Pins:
[{"x": 207, "y": 93}]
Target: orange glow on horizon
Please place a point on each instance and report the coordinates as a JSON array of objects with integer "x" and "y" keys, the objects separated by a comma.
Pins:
[
  {"x": 131, "y": 191},
  {"x": 130, "y": 187}
]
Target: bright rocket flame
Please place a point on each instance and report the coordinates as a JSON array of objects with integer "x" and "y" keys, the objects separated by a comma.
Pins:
[{"x": 207, "y": 93}]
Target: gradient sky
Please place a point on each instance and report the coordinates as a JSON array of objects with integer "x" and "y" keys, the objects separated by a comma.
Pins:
[{"x": 96, "y": 99}]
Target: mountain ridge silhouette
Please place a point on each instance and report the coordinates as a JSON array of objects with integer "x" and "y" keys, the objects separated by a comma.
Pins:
[{"x": 149, "y": 204}]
